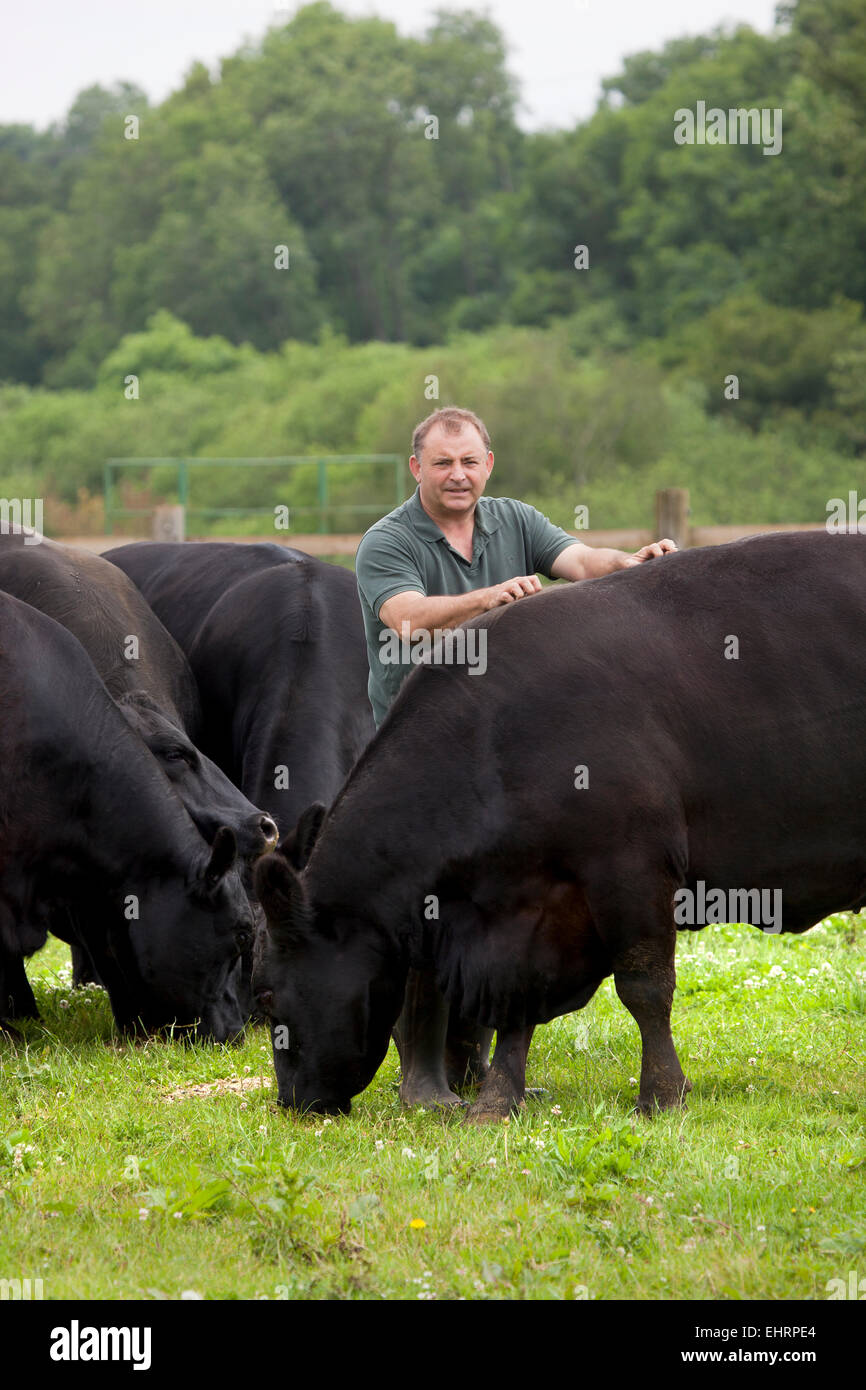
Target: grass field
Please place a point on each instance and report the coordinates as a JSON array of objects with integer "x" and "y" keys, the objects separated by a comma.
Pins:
[{"x": 118, "y": 1179}]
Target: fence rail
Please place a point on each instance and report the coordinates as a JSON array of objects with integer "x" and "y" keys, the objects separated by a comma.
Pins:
[{"x": 323, "y": 508}]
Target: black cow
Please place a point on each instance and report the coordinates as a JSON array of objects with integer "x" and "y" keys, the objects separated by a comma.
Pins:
[
  {"x": 276, "y": 643},
  {"x": 91, "y": 832},
  {"x": 691, "y": 724},
  {"x": 183, "y": 580},
  {"x": 142, "y": 668}
]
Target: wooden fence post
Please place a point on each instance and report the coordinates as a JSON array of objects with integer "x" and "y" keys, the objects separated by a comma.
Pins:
[
  {"x": 672, "y": 515},
  {"x": 169, "y": 523}
]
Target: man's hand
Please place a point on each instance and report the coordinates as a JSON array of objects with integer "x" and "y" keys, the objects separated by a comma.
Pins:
[
  {"x": 650, "y": 552},
  {"x": 511, "y": 590}
]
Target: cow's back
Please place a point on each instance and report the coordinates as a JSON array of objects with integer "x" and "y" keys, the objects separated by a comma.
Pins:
[
  {"x": 183, "y": 580},
  {"x": 99, "y": 605}
]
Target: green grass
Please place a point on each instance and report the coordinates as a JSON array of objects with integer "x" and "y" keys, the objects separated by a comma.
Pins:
[{"x": 109, "y": 1190}]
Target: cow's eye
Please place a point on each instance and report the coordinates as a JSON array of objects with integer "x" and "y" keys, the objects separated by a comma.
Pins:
[
  {"x": 244, "y": 939},
  {"x": 174, "y": 755}
]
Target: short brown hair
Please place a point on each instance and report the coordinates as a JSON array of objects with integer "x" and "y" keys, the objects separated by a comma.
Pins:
[{"x": 452, "y": 419}]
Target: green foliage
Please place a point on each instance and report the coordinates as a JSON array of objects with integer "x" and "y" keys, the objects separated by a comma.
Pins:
[
  {"x": 412, "y": 258},
  {"x": 316, "y": 137}
]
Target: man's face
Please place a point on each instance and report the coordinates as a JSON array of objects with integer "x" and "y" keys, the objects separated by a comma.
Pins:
[{"x": 453, "y": 470}]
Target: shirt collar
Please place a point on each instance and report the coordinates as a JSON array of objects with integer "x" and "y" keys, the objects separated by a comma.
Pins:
[{"x": 485, "y": 521}]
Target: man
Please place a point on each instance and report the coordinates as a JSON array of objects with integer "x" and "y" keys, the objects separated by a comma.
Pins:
[{"x": 441, "y": 558}]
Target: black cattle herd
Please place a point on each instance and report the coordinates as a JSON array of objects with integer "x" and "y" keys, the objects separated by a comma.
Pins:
[{"x": 170, "y": 711}]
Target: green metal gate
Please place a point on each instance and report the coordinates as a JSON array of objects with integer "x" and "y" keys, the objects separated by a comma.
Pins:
[{"x": 322, "y": 511}]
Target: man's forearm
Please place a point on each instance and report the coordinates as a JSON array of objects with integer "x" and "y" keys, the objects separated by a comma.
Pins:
[
  {"x": 600, "y": 560},
  {"x": 581, "y": 561},
  {"x": 440, "y": 610}
]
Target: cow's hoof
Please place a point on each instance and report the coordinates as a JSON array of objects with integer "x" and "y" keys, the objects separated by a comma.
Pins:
[
  {"x": 493, "y": 1114},
  {"x": 430, "y": 1097},
  {"x": 7, "y": 1031},
  {"x": 664, "y": 1100}
]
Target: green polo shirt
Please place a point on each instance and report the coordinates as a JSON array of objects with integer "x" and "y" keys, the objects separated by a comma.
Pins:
[{"x": 406, "y": 550}]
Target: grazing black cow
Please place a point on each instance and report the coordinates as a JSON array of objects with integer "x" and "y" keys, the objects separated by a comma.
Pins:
[
  {"x": 276, "y": 643},
  {"x": 90, "y": 831},
  {"x": 142, "y": 668},
  {"x": 667, "y": 730}
]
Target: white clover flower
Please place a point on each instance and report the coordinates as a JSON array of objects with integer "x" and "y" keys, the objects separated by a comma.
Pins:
[{"x": 408, "y": 1153}]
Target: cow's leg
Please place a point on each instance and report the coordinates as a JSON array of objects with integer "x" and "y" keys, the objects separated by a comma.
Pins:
[
  {"x": 504, "y": 1087},
  {"x": 639, "y": 932},
  {"x": 16, "y": 997},
  {"x": 467, "y": 1052},
  {"x": 420, "y": 1033},
  {"x": 83, "y": 969},
  {"x": 645, "y": 981}
]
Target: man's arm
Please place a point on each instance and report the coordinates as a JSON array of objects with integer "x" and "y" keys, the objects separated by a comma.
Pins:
[
  {"x": 581, "y": 561},
  {"x": 450, "y": 610}
]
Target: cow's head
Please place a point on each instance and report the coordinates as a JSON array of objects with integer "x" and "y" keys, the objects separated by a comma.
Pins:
[
  {"x": 328, "y": 980},
  {"x": 211, "y": 800},
  {"x": 176, "y": 963}
]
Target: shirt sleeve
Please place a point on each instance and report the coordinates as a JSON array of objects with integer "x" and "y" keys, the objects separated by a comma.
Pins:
[
  {"x": 385, "y": 566},
  {"x": 546, "y": 541}
]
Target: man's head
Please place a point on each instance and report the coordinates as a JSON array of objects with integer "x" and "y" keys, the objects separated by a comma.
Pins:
[{"x": 451, "y": 461}]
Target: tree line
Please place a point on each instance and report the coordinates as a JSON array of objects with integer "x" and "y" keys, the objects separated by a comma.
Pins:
[{"x": 418, "y": 223}]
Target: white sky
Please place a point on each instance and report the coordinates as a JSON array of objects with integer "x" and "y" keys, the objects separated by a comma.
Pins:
[{"x": 559, "y": 49}]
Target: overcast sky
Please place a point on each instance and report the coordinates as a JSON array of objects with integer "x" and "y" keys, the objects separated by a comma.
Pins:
[{"x": 559, "y": 49}]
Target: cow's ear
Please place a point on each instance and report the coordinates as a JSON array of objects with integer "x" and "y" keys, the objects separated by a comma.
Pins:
[
  {"x": 297, "y": 844},
  {"x": 224, "y": 852},
  {"x": 281, "y": 893}
]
